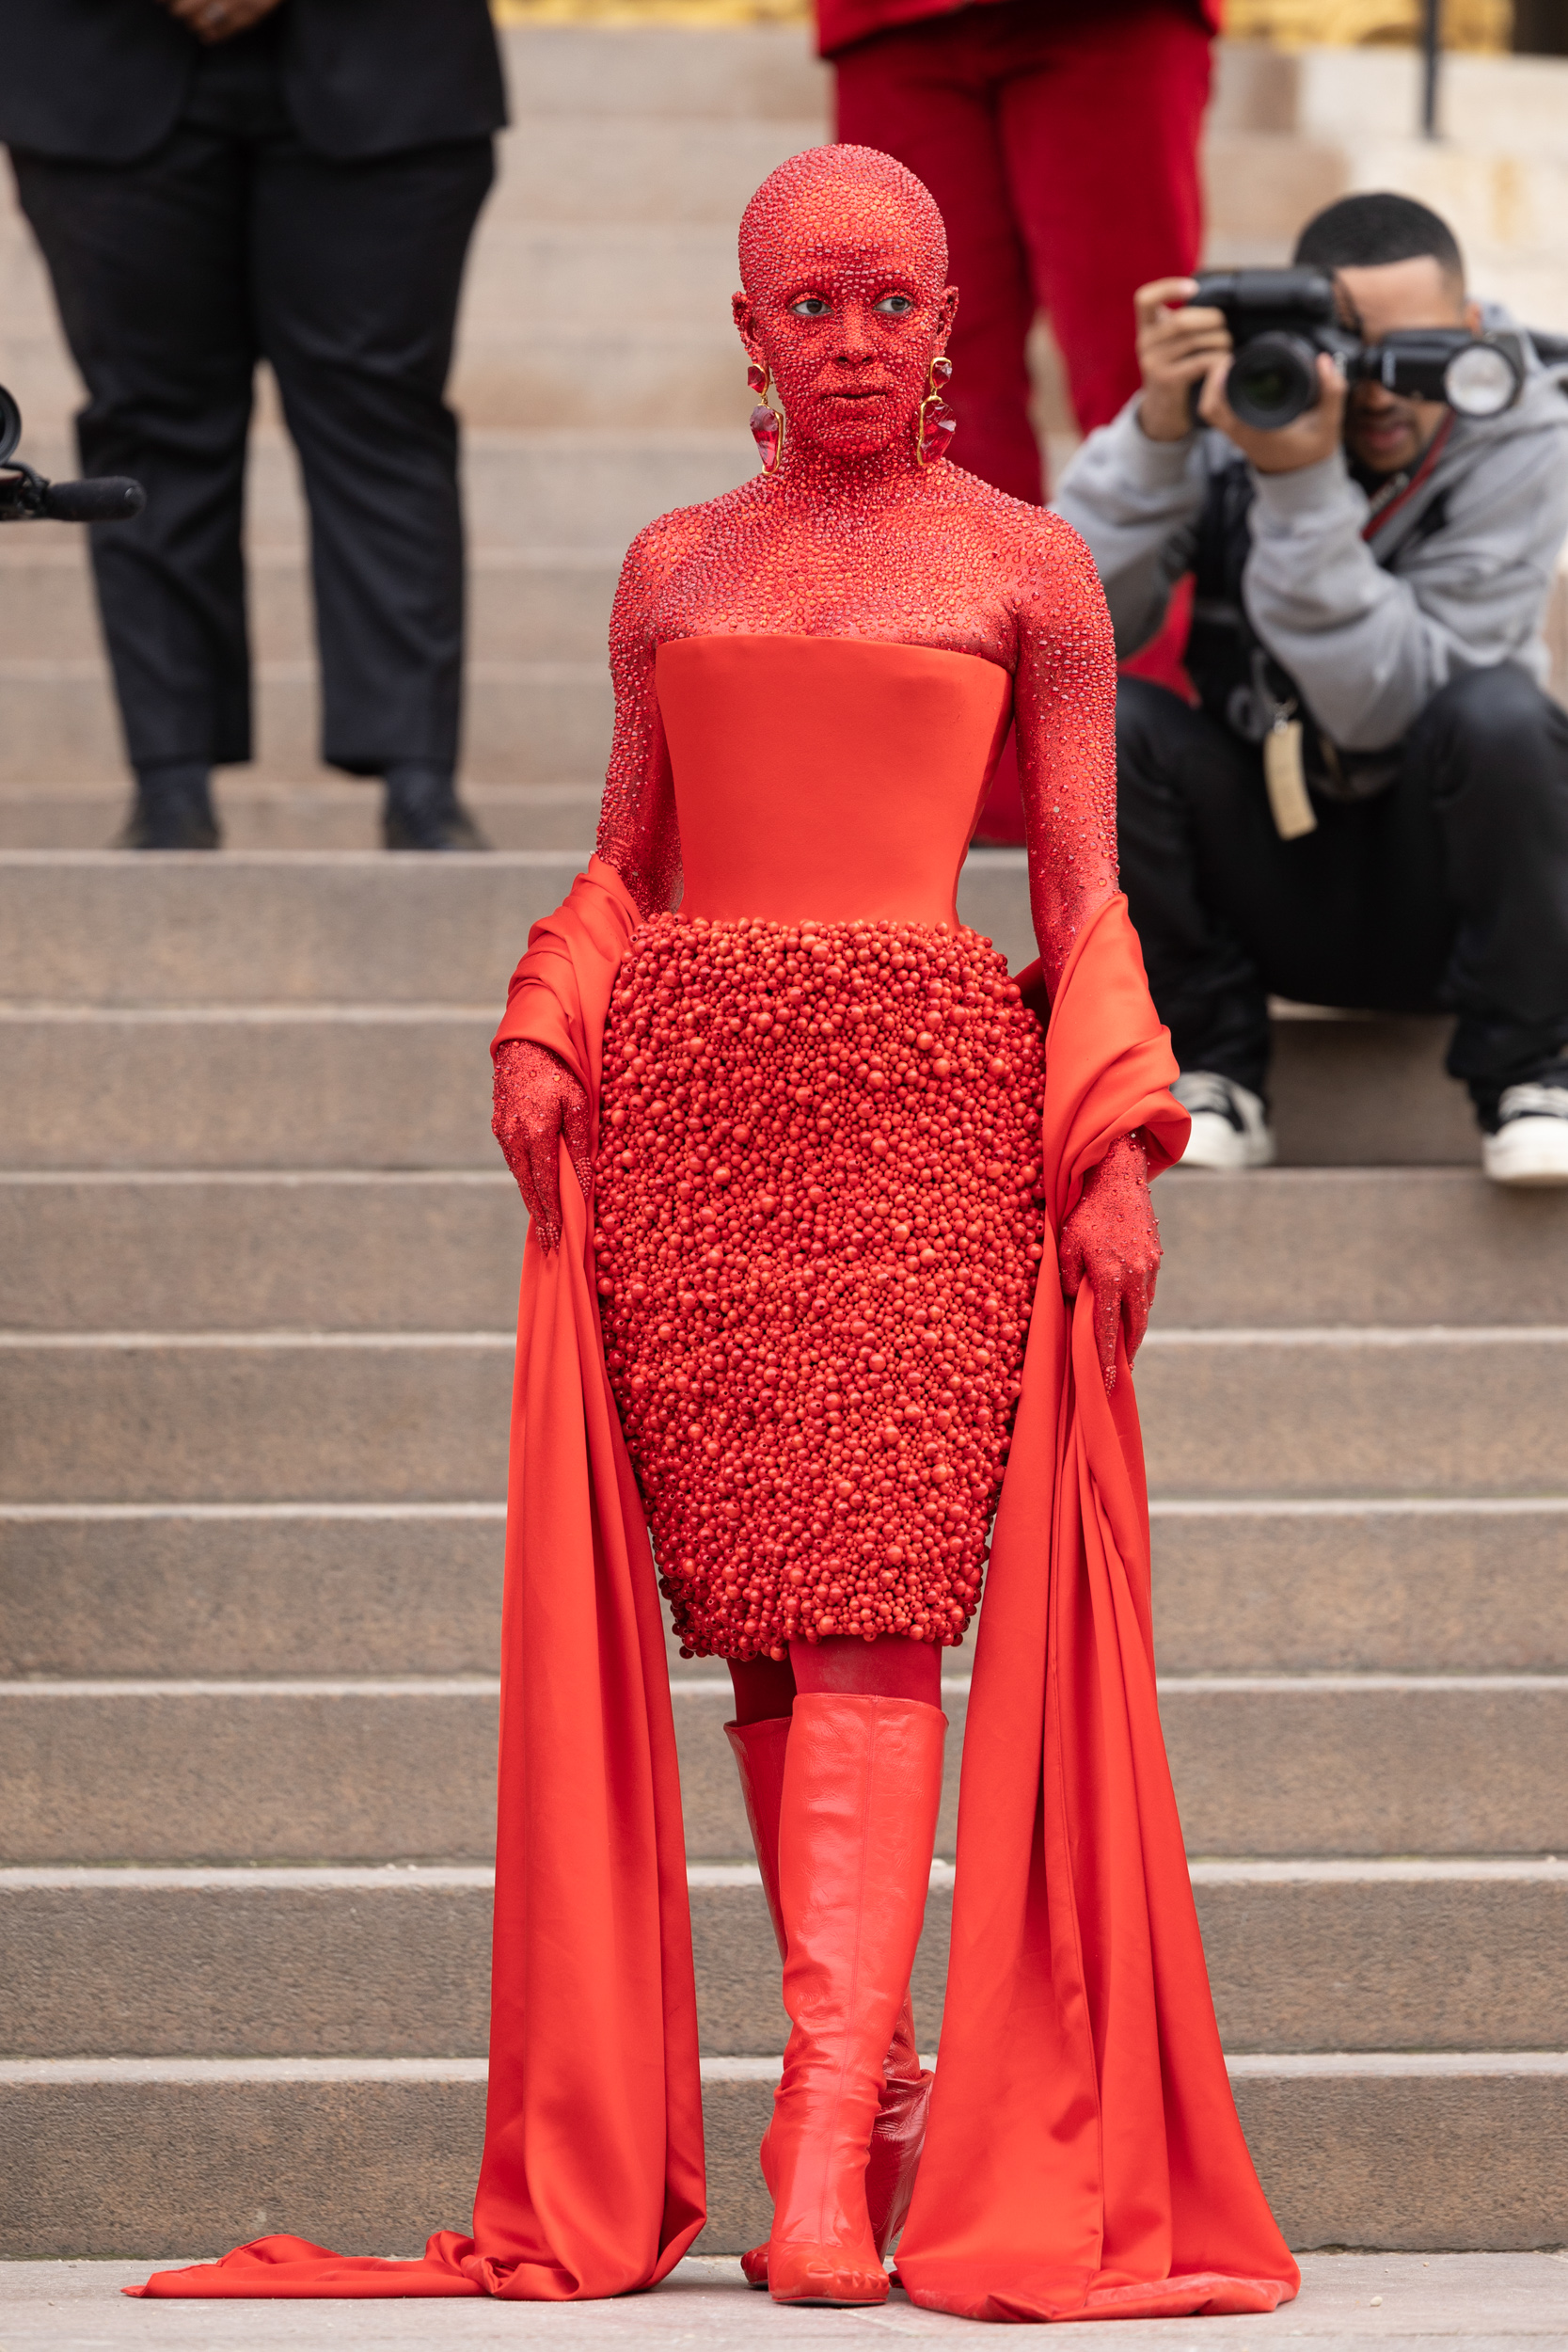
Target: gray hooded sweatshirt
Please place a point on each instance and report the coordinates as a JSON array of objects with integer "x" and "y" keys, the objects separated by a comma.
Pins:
[{"x": 1369, "y": 630}]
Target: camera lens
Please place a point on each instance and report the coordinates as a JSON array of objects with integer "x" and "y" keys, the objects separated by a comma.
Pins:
[
  {"x": 1272, "y": 380},
  {"x": 11, "y": 424},
  {"x": 1480, "y": 381}
]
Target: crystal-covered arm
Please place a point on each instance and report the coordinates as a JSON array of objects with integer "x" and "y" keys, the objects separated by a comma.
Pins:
[
  {"x": 638, "y": 834},
  {"x": 1066, "y": 704},
  {"x": 537, "y": 1099},
  {"x": 1065, "y": 714}
]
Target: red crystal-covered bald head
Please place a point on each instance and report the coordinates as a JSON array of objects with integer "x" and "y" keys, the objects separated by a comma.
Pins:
[
  {"x": 833, "y": 204},
  {"x": 844, "y": 266}
]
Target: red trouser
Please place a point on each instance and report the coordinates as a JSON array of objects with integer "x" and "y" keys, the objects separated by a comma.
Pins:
[
  {"x": 1064, "y": 157},
  {"x": 1062, "y": 154}
]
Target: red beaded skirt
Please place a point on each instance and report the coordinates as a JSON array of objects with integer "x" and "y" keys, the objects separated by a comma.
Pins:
[{"x": 817, "y": 1239}]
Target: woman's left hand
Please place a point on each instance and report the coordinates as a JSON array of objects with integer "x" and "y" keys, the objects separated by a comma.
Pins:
[{"x": 1112, "y": 1238}]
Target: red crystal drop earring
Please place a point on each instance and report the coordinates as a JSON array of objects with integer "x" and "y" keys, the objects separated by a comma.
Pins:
[
  {"x": 936, "y": 423},
  {"x": 766, "y": 422}
]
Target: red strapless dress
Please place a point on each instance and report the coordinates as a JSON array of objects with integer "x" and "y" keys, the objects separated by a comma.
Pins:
[{"x": 818, "y": 1227}]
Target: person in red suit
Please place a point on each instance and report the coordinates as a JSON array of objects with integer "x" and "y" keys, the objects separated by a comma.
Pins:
[{"x": 1061, "y": 144}]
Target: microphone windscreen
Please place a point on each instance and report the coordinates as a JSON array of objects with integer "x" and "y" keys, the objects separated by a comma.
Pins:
[{"x": 112, "y": 498}]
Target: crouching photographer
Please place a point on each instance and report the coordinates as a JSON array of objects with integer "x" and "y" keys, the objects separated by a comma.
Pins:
[{"x": 1369, "y": 807}]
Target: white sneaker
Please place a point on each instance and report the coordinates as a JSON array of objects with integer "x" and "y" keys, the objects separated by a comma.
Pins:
[
  {"x": 1530, "y": 1146},
  {"x": 1229, "y": 1127}
]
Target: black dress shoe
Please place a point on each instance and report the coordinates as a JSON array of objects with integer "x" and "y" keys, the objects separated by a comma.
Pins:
[
  {"x": 423, "y": 812},
  {"x": 172, "y": 810}
]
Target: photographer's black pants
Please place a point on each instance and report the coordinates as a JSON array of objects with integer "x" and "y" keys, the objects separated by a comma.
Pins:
[
  {"x": 1450, "y": 890},
  {"x": 232, "y": 242}
]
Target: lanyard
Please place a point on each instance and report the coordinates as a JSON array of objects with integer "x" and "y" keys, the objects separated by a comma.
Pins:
[{"x": 1393, "y": 493}]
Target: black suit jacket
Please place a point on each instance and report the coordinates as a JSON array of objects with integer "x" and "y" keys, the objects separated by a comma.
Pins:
[{"x": 103, "y": 79}]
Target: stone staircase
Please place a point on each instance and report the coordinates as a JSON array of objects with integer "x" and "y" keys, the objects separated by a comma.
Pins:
[{"x": 258, "y": 1273}]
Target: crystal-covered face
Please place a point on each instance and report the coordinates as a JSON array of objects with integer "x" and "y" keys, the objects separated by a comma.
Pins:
[{"x": 845, "y": 261}]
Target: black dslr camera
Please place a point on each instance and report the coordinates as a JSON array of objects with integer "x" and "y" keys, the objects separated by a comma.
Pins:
[
  {"x": 1281, "y": 319},
  {"x": 26, "y": 497}
]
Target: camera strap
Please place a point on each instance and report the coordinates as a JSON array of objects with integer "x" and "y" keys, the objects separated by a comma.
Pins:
[{"x": 1386, "y": 502}]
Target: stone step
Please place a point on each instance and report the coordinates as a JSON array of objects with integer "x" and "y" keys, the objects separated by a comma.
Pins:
[
  {"x": 403, "y": 1769},
  {"x": 391, "y": 1771},
  {"x": 333, "y": 1249},
  {"x": 1369, "y": 1764},
  {"x": 1337, "y": 1410},
  {"x": 1414, "y": 1586},
  {"x": 252, "y": 1962},
  {"x": 260, "y": 1417},
  {"x": 543, "y": 604},
  {"x": 267, "y": 1590},
  {"x": 634, "y": 277},
  {"x": 1505, "y": 2300},
  {"x": 103, "y": 2157},
  {"x": 272, "y": 929},
  {"x": 350, "y": 1417},
  {"x": 325, "y": 812},
  {"x": 315, "y": 1085},
  {"x": 1352, "y": 1090},
  {"x": 1356, "y": 1244},
  {"x": 345, "y": 1250},
  {"x": 265, "y": 1962},
  {"x": 355, "y": 1589},
  {"x": 291, "y": 1086},
  {"x": 765, "y": 73},
  {"x": 1334, "y": 91},
  {"x": 531, "y": 721}
]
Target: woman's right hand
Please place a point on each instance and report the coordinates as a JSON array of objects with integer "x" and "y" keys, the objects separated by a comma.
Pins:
[
  {"x": 213, "y": 20},
  {"x": 538, "y": 1102},
  {"x": 1179, "y": 346}
]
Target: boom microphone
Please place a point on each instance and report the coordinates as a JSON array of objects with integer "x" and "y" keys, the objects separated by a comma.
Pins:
[{"x": 111, "y": 498}]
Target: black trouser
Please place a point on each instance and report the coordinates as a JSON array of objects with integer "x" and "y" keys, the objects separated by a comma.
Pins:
[
  {"x": 1450, "y": 890},
  {"x": 174, "y": 276}
]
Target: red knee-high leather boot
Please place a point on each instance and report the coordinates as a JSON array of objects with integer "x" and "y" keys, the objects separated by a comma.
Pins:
[
  {"x": 899, "y": 2131},
  {"x": 862, "y": 1780}
]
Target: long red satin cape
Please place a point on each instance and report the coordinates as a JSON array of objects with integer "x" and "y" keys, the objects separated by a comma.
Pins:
[
  {"x": 1084, "y": 2158},
  {"x": 592, "y": 2179}
]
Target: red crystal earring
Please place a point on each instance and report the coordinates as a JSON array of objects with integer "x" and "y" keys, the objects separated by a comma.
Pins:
[
  {"x": 766, "y": 422},
  {"x": 936, "y": 424}
]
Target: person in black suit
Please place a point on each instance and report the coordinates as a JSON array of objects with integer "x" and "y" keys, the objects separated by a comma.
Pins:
[{"x": 218, "y": 181}]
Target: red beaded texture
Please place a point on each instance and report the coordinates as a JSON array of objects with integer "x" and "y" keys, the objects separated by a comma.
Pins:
[{"x": 818, "y": 1236}]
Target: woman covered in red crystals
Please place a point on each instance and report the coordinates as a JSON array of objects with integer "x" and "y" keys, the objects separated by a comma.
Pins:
[{"x": 845, "y": 1177}]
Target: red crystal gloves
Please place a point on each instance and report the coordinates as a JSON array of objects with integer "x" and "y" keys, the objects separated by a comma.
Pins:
[
  {"x": 537, "y": 1103},
  {"x": 1112, "y": 1238}
]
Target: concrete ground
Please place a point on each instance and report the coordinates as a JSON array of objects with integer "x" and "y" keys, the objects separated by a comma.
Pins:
[{"x": 1470, "y": 2301}]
